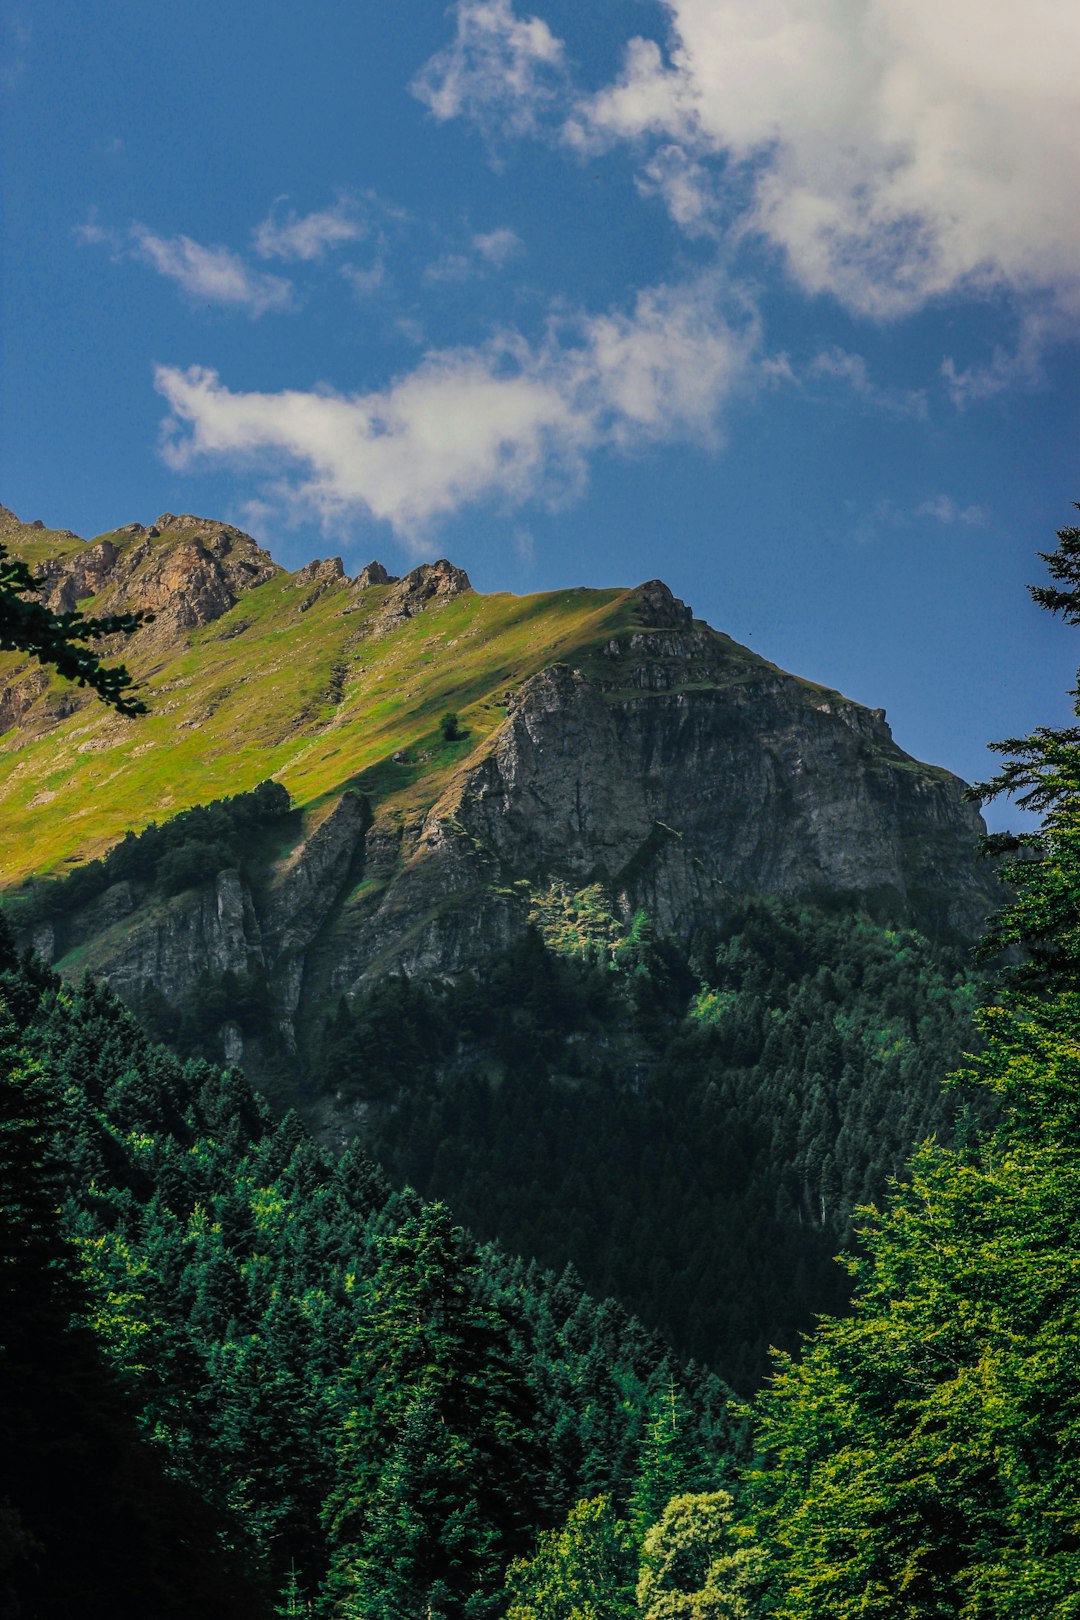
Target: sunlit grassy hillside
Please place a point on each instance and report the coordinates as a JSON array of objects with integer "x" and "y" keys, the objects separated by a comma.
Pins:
[{"x": 284, "y": 686}]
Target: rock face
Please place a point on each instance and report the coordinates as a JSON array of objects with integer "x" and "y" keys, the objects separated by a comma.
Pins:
[
  {"x": 677, "y": 769},
  {"x": 374, "y": 574},
  {"x": 429, "y": 584},
  {"x": 683, "y": 774},
  {"x": 186, "y": 571},
  {"x": 224, "y": 927}
]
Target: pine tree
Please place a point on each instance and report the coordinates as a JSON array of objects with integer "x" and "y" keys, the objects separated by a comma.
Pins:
[
  {"x": 60, "y": 639},
  {"x": 924, "y": 1456},
  {"x": 668, "y": 1460}
]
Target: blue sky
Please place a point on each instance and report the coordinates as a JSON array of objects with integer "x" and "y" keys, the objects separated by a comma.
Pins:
[{"x": 775, "y": 299}]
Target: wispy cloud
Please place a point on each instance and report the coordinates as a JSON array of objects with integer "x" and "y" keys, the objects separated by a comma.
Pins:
[
  {"x": 289, "y": 235},
  {"x": 1009, "y": 366},
  {"x": 841, "y": 366},
  {"x": 213, "y": 275},
  {"x": 501, "y": 71},
  {"x": 209, "y": 275},
  {"x": 509, "y": 420},
  {"x": 887, "y": 514},
  {"x": 15, "y": 38},
  {"x": 488, "y": 250},
  {"x": 365, "y": 280},
  {"x": 688, "y": 188},
  {"x": 943, "y": 509},
  {"x": 499, "y": 246}
]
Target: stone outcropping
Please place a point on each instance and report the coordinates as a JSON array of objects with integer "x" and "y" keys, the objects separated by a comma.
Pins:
[
  {"x": 186, "y": 571},
  {"x": 426, "y": 586},
  {"x": 225, "y": 926},
  {"x": 677, "y": 769},
  {"x": 682, "y": 773}
]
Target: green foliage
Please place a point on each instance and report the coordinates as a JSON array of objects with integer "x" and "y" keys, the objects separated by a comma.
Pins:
[
  {"x": 349, "y": 1398},
  {"x": 923, "y": 1459},
  {"x": 583, "y": 1571},
  {"x": 90, "y": 1523},
  {"x": 924, "y": 1456},
  {"x": 693, "y": 1567},
  {"x": 450, "y": 726},
  {"x": 666, "y": 1461},
  {"x": 59, "y": 639},
  {"x": 583, "y": 924},
  {"x": 694, "y": 1151}
]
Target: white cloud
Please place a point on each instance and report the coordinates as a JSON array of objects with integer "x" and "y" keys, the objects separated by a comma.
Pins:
[
  {"x": 687, "y": 187},
  {"x": 1021, "y": 364},
  {"x": 509, "y": 420},
  {"x": 458, "y": 427},
  {"x": 306, "y": 236},
  {"x": 499, "y": 246},
  {"x": 945, "y": 510},
  {"x": 488, "y": 250},
  {"x": 92, "y": 234},
  {"x": 885, "y": 515},
  {"x": 451, "y": 267},
  {"x": 892, "y": 151},
  {"x": 212, "y": 275},
  {"x": 500, "y": 70},
  {"x": 647, "y": 98}
]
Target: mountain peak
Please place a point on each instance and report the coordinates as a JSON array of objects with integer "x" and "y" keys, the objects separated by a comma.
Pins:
[
  {"x": 426, "y": 586},
  {"x": 186, "y": 571},
  {"x": 660, "y": 609},
  {"x": 374, "y": 574}
]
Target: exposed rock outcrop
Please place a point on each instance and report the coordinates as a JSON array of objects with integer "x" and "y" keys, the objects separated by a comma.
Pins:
[
  {"x": 327, "y": 569},
  {"x": 683, "y": 774},
  {"x": 186, "y": 571},
  {"x": 426, "y": 586},
  {"x": 373, "y": 574}
]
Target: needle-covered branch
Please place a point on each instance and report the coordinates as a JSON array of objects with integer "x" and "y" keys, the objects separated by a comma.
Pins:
[{"x": 60, "y": 639}]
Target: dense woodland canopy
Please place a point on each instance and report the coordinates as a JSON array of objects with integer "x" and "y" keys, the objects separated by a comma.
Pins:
[
  {"x": 240, "y": 1377},
  {"x": 692, "y": 1135},
  {"x": 328, "y": 1388}
]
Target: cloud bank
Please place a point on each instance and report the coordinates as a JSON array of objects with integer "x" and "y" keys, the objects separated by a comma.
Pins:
[{"x": 892, "y": 151}]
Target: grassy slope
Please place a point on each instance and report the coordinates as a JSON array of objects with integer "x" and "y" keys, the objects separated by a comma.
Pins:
[
  {"x": 291, "y": 687},
  {"x": 254, "y": 696}
]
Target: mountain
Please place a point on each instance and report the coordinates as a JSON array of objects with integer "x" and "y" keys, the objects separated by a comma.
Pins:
[{"x": 605, "y": 737}]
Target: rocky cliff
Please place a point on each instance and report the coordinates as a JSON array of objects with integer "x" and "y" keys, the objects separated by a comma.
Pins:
[{"x": 610, "y": 739}]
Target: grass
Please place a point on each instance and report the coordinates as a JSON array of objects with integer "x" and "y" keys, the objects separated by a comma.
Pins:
[
  {"x": 268, "y": 690},
  {"x": 304, "y": 694}
]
